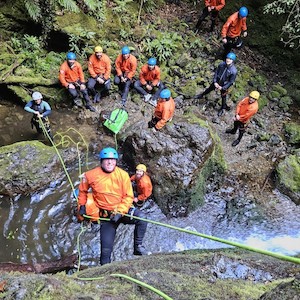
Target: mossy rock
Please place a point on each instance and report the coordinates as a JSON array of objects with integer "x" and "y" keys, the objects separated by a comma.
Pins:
[
  {"x": 274, "y": 96},
  {"x": 20, "y": 92},
  {"x": 189, "y": 89},
  {"x": 289, "y": 177},
  {"x": 293, "y": 132},
  {"x": 279, "y": 89},
  {"x": 262, "y": 101},
  {"x": 285, "y": 103}
]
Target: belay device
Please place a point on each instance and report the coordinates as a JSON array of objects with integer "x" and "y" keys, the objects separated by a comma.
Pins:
[{"x": 116, "y": 120}]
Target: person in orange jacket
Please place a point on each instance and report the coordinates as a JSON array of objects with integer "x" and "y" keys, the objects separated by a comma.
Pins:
[
  {"x": 126, "y": 65},
  {"x": 245, "y": 109},
  {"x": 113, "y": 195},
  {"x": 163, "y": 112},
  {"x": 234, "y": 27},
  {"x": 71, "y": 77},
  {"x": 212, "y": 8},
  {"x": 143, "y": 185},
  {"x": 149, "y": 82},
  {"x": 99, "y": 67}
]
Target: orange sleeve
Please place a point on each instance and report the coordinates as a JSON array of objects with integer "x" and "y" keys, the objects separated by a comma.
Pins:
[
  {"x": 142, "y": 74},
  {"x": 244, "y": 24},
  {"x": 132, "y": 178},
  {"x": 146, "y": 188},
  {"x": 91, "y": 66},
  {"x": 83, "y": 191},
  {"x": 157, "y": 76},
  {"x": 239, "y": 105},
  {"x": 62, "y": 76},
  {"x": 207, "y": 3},
  {"x": 133, "y": 66},
  {"x": 221, "y": 5},
  {"x": 118, "y": 64},
  {"x": 108, "y": 68},
  {"x": 80, "y": 73},
  {"x": 226, "y": 27},
  {"x": 127, "y": 197}
]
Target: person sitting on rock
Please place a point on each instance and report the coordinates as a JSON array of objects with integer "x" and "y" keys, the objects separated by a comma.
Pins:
[
  {"x": 72, "y": 78},
  {"x": 142, "y": 185},
  {"x": 149, "y": 82},
  {"x": 224, "y": 77},
  {"x": 126, "y": 65},
  {"x": 212, "y": 8},
  {"x": 99, "y": 67},
  {"x": 234, "y": 27},
  {"x": 40, "y": 110},
  {"x": 163, "y": 112},
  {"x": 245, "y": 109}
]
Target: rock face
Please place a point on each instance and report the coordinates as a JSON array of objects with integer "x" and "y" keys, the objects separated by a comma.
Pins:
[
  {"x": 289, "y": 177},
  {"x": 183, "y": 154},
  {"x": 25, "y": 167}
]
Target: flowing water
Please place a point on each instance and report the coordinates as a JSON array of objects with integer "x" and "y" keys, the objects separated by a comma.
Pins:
[{"x": 41, "y": 227}]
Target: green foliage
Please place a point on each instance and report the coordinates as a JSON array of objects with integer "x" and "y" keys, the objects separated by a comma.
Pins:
[
  {"x": 121, "y": 7},
  {"x": 82, "y": 43},
  {"x": 293, "y": 132},
  {"x": 33, "y": 9},
  {"x": 162, "y": 47},
  {"x": 290, "y": 30}
]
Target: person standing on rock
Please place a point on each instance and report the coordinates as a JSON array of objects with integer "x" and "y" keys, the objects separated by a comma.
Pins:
[
  {"x": 234, "y": 27},
  {"x": 164, "y": 111},
  {"x": 40, "y": 110},
  {"x": 126, "y": 65},
  {"x": 142, "y": 185},
  {"x": 72, "y": 78},
  {"x": 212, "y": 8},
  {"x": 99, "y": 67},
  {"x": 113, "y": 195},
  {"x": 224, "y": 78},
  {"x": 149, "y": 82},
  {"x": 245, "y": 110}
]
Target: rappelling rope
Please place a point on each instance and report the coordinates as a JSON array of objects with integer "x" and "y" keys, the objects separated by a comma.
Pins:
[{"x": 214, "y": 238}]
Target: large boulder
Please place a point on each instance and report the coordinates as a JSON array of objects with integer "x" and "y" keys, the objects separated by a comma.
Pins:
[
  {"x": 288, "y": 172},
  {"x": 25, "y": 167},
  {"x": 180, "y": 158}
]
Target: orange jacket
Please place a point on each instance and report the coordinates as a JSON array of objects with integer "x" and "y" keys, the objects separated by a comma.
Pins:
[
  {"x": 68, "y": 75},
  {"x": 149, "y": 75},
  {"x": 126, "y": 66},
  {"x": 100, "y": 66},
  {"x": 218, "y": 4},
  {"x": 164, "y": 111},
  {"x": 144, "y": 186},
  {"x": 245, "y": 110},
  {"x": 111, "y": 191},
  {"x": 234, "y": 26}
]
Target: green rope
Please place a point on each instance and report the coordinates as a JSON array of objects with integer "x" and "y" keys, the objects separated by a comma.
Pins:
[
  {"x": 145, "y": 285},
  {"x": 265, "y": 252},
  {"x": 141, "y": 283},
  {"x": 83, "y": 229}
]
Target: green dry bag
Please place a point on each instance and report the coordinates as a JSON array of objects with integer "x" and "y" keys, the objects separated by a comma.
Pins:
[{"x": 116, "y": 120}]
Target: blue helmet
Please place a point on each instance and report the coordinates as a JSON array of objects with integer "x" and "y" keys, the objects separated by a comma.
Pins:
[
  {"x": 152, "y": 61},
  {"x": 71, "y": 55},
  {"x": 243, "y": 12},
  {"x": 165, "y": 94},
  {"x": 108, "y": 153},
  {"x": 231, "y": 55},
  {"x": 125, "y": 50}
]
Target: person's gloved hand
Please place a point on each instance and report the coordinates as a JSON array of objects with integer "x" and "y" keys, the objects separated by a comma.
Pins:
[
  {"x": 115, "y": 218},
  {"x": 82, "y": 210}
]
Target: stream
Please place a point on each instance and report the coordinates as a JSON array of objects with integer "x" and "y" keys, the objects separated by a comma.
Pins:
[{"x": 41, "y": 227}]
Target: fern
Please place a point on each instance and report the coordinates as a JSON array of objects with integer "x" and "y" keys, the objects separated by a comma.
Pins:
[
  {"x": 33, "y": 9},
  {"x": 69, "y": 5}
]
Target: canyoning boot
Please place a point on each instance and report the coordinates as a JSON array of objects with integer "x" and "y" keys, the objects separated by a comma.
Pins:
[
  {"x": 96, "y": 98},
  {"x": 221, "y": 112},
  {"x": 153, "y": 102},
  {"x": 147, "y": 97},
  {"x": 236, "y": 142},
  {"x": 140, "y": 250},
  {"x": 231, "y": 131},
  {"x": 91, "y": 108}
]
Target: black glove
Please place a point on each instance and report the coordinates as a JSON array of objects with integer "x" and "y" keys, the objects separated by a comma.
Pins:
[
  {"x": 151, "y": 124},
  {"x": 82, "y": 210},
  {"x": 115, "y": 218}
]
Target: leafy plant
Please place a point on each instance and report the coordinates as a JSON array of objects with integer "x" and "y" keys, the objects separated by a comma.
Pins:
[{"x": 163, "y": 47}]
